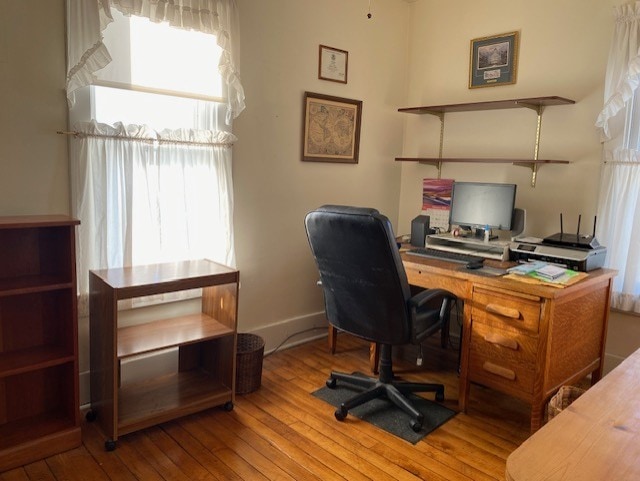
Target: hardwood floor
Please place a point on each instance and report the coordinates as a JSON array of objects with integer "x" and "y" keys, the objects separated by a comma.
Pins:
[{"x": 282, "y": 432}]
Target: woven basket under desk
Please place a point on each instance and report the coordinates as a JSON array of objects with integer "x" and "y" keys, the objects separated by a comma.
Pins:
[{"x": 562, "y": 399}]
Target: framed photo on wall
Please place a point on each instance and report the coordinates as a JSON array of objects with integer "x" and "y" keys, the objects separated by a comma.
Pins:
[
  {"x": 333, "y": 64},
  {"x": 331, "y": 129},
  {"x": 494, "y": 60}
]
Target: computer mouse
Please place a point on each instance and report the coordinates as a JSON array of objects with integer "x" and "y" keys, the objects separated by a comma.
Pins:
[{"x": 474, "y": 265}]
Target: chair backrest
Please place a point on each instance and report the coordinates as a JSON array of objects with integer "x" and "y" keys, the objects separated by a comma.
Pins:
[{"x": 364, "y": 282}]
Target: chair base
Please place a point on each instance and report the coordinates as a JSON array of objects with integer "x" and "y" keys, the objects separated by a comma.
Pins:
[{"x": 394, "y": 390}]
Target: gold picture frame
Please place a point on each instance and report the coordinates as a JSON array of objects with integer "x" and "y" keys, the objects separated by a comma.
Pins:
[
  {"x": 331, "y": 129},
  {"x": 494, "y": 60}
]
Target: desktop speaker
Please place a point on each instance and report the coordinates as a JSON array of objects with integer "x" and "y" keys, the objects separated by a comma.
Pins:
[
  {"x": 518, "y": 222},
  {"x": 419, "y": 230}
]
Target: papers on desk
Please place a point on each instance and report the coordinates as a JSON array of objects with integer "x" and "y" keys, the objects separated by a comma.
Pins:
[{"x": 544, "y": 271}]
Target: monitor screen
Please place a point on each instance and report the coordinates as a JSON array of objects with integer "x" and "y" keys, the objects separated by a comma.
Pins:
[{"x": 476, "y": 205}]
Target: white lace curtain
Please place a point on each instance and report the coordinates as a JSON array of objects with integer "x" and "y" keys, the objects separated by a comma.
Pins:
[
  {"x": 87, "y": 19},
  {"x": 619, "y": 124}
]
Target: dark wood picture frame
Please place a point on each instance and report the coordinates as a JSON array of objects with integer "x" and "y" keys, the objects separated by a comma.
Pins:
[
  {"x": 333, "y": 64},
  {"x": 494, "y": 60},
  {"x": 331, "y": 129}
]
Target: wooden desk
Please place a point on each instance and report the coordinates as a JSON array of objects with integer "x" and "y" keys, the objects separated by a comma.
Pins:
[
  {"x": 522, "y": 339},
  {"x": 595, "y": 438}
]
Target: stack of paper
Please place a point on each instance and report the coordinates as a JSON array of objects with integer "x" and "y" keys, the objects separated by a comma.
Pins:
[
  {"x": 550, "y": 272},
  {"x": 526, "y": 268},
  {"x": 543, "y": 271}
]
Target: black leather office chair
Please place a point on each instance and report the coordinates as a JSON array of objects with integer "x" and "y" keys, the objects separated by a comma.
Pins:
[{"x": 367, "y": 294}]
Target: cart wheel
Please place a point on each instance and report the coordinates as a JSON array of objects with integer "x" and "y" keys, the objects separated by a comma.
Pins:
[
  {"x": 228, "y": 406},
  {"x": 440, "y": 396},
  {"x": 331, "y": 383},
  {"x": 91, "y": 416},
  {"x": 340, "y": 413},
  {"x": 109, "y": 445}
]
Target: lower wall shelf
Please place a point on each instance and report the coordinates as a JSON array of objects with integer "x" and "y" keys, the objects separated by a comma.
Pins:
[{"x": 437, "y": 162}]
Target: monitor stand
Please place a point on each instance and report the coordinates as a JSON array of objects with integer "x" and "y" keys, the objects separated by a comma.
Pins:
[{"x": 477, "y": 233}]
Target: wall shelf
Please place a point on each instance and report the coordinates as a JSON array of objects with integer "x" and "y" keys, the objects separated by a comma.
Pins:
[{"x": 536, "y": 104}]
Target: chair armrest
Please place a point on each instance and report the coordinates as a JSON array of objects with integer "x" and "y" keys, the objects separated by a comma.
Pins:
[{"x": 429, "y": 295}]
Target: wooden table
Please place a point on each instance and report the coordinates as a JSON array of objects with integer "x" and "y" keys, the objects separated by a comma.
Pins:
[
  {"x": 522, "y": 339},
  {"x": 595, "y": 438}
]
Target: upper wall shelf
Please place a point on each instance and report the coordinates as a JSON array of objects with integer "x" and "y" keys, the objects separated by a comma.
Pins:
[{"x": 535, "y": 103}]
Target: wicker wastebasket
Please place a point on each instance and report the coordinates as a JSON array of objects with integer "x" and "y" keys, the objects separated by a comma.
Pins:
[
  {"x": 562, "y": 399},
  {"x": 249, "y": 354}
]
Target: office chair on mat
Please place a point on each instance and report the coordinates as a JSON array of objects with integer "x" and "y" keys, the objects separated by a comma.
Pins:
[{"x": 367, "y": 294}]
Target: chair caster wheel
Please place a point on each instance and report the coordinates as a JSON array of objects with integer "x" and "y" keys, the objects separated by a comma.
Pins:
[
  {"x": 340, "y": 414},
  {"x": 91, "y": 416},
  {"x": 228, "y": 406},
  {"x": 331, "y": 383},
  {"x": 109, "y": 445},
  {"x": 440, "y": 396},
  {"x": 416, "y": 426}
]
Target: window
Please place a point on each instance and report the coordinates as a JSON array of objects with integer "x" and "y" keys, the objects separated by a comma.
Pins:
[
  {"x": 619, "y": 200},
  {"x": 151, "y": 165}
]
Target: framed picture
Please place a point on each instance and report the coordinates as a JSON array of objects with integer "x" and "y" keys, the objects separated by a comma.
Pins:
[
  {"x": 332, "y": 64},
  {"x": 331, "y": 129},
  {"x": 494, "y": 60}
]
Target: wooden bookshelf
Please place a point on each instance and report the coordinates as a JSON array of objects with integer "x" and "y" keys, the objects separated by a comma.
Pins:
[{"x": 39, "y": 411}]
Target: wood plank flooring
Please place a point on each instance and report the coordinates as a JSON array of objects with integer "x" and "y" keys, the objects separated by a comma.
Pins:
[{"x": 281, "y": 432}]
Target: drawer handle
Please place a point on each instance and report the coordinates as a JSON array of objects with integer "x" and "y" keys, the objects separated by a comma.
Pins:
[
  {"x": 495, "y": 338},
  {"x": 499, "y": 371},
  {"x": 503, "y": 311}
]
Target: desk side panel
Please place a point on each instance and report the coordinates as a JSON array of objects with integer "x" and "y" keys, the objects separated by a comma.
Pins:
[{"x": 576, "y": 336}]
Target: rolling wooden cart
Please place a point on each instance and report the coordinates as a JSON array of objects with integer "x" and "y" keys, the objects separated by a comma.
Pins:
[{"x": 206, "y": 343}]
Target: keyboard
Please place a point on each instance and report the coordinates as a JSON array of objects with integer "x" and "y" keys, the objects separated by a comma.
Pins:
[{"x": 446, "y": 255}]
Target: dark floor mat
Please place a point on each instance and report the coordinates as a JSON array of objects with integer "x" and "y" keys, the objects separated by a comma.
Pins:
[{"x": 384, "y": 414}]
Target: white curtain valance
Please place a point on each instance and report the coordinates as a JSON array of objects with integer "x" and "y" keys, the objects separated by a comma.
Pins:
[
  {"x": 87, "y": 19},
  {"x": 623, "y": 69}
]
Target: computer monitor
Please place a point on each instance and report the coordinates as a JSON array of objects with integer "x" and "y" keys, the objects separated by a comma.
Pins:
[{"x": 475, "y": 205}]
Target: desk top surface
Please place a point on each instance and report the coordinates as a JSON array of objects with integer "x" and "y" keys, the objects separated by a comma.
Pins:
[
  {"x": 597, "y": 437},
  {"x": 458, "y": 271}
]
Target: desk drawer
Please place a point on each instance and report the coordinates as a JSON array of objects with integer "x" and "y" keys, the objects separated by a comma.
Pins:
[
  {"x": 502, "y": 359},
  {"x": 427, "y": 279},
  {"x": 506, "y": 310}
]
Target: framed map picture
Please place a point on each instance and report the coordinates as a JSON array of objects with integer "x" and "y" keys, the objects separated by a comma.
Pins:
[{"x": 331, "y": 129}]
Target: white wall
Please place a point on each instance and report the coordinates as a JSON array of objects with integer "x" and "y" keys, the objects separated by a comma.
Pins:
[
  {"x": 273, "y": 188},
  {"x": 563, "y": 51},
  {"x": 34, "y": 172}
]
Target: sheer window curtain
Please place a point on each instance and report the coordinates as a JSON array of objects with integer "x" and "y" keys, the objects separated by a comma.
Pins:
[
  {"x": 146, "y": 196},
  {"x": 619, "y": 124},
  {"x": 144, "y": 202}
]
